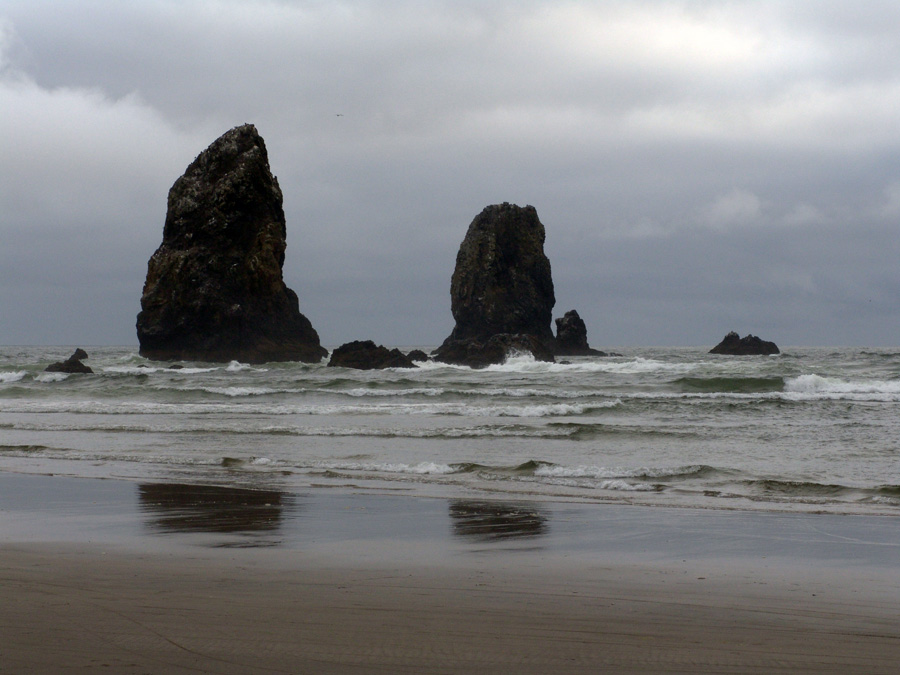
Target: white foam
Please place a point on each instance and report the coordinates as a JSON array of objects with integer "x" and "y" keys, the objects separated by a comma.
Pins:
[
  {"x": 364, "y": 392},
  {"x": 14, "y": 376},
  {"x": 130, "y": 370},
  {"x": 51, "y": 377},
  {"x": 590, "y": 477},
  {"x": 625, "y": 486},
  {"x": 576, "y": 472},
  {"x": 240, "y": 391},
  {"x": 237, "y": 366},
  {"x": 816, "y": 386},
  {"x": 422, "y": 468}
]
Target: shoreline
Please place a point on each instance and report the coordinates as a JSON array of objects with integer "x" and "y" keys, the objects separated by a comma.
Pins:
[{"x": 141, "y": 578}]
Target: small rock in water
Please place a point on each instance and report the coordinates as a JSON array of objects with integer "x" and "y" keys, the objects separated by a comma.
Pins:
[
  {"x": 366, "y": 355},
  {"x": 72, "y": 364},
  {"x": 750, "y": 345}
]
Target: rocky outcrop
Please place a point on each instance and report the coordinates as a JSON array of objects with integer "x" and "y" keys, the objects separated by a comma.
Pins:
[
  {"x": 501, "y": 284},
  {"x": 571, "y": 337},
  {"x": 214, "y": 289},
  {"x": 366, "y": 355},
  {"x": 494, "y": 350},
  {"x": 73, "y": 364},
  {"x": 417, "y": 356},
  {"x": 735, "y": 345}
]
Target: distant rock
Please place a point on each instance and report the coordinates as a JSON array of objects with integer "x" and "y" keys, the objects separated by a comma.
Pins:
[
  {"x": 72, "y": 364},
  {"x": 501, "y": 284},
  {"x": 735, "y": 345},
  {"x": 494, "y": 350},
  {"x": 366, "y": 355},
  {"x": 571, "y": 337},
  {"x": 214, "y": 289},
  {"x": 417, "y": 356}
]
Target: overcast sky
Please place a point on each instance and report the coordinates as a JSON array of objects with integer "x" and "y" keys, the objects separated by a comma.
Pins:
[{"x": 699, "y": 167}]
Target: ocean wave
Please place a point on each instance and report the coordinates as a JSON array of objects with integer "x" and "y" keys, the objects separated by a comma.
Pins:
[
  {"x": 51, "y": 377},
  {"x": 420, "y": 468},
  {"x": 637, "y": 365},
  {"x": 730, "y": 384},
  {"x": 242, "y": 391},
  {"x": 244, "y": 408},
  {"x": 236, "y": 367},
  {"x": 644, "y": 473},
  {"x": 14, "y": 376},
  {"x": 831, "y": 387},
  {"x": 826, "y": 492}
]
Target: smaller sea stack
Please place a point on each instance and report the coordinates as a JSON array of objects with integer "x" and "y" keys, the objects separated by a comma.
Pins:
[
  {"x": 73, "y": 364},
  {"x": 750, "y": 345},
  {"x": 571, "y": 336}
]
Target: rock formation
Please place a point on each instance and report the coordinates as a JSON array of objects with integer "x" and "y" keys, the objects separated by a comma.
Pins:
[
  {"x": 214, "y": 288},
  {"x": 366, "y": 355},
  {"x": 73, "y": 364},
  {"x": 496, "y": 349},
  {"x": 501, "y": 284},
  {"x": 571, "y": 337},
  {"x": 735, "y": 345},
  {"x": 417, "y": 355}
]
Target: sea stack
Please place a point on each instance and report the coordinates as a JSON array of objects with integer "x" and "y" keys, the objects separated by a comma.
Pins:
[
  {"x": 501, "y": 289},
  {"x": 750, "y": 345},
  {"x": 214, "y": 288},
  {"x": 571, "y": 336}
]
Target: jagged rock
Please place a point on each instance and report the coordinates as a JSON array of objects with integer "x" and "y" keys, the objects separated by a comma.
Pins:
[
  {"x": 214, "y": 288},
  {"x": 501, "y": 284},
  {"x": 366, "y": 355},
  {"x": 495, "y": 350},
  {"x": 72, "y": 364},
  {"x": 571, "y": 337},
  {"x": 735, "y": 345},
  {"x": 417, "y": 355}
]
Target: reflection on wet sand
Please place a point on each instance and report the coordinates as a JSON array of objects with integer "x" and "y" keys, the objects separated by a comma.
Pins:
[
  {"x": 174, "y": 507},
  {"x": 489, "y": 521}
]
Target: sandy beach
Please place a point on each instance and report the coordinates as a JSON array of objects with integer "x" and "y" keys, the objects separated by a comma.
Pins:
[{"x": 93, "y": 581}]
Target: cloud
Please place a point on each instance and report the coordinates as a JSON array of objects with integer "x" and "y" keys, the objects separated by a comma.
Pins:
[
  {"x": 738, "y": 208},
  {"x": 690, "y": 160}
]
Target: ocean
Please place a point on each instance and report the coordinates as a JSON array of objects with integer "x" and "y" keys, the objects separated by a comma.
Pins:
[{"x": 811, "y": 429}]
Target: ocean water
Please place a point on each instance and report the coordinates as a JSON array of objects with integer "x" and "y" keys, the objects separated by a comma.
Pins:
[{"x": 812, "y": 429}]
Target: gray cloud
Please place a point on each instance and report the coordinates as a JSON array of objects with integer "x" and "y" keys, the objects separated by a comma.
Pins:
[{"x": 699, "y": 166}]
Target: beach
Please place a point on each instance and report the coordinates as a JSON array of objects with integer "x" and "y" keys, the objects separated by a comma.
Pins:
[{"x": 115, "y": 576}]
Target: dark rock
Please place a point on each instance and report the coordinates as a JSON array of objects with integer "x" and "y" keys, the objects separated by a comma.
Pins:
[
  {"x": 495, "y": 350},
  {"x": 735, "y": 345},
  {"x": 501, "y": 284},
  {"x": 571, "y": 337},
  {"x": 214, "y": 288},
  {"x": 366, "y": 355},
  {"x": 417, "y": 355},
  {"x": 72, "y": 364}
]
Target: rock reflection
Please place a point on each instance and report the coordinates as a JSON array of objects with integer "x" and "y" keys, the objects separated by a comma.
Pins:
[
  {"x": 492, "y": 521},
  {"x": 174, "y": 507}
]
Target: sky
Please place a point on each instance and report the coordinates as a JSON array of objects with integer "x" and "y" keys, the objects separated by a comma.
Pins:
[{"x": 699, "y": 166}]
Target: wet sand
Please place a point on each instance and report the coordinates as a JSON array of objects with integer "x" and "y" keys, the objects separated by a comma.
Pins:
[{"x": 117, "y": 577}]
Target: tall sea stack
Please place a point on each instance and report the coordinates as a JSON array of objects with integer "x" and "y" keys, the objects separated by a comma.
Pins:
[
  {"x": 501, "y": 290},
  {"x": 214, "y": 288}
]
